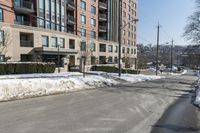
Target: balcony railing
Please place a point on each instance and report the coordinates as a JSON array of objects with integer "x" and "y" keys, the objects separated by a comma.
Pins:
[
  {"x": 24, "y": 4},
  {"x": 71, "y": 5},
  {"x": 103, "y": 5},
  {"x": 103, "y": 16},
  {"x": 27, "y": 23},
  {"x": 102, "y": 28},
  {"x": 70, "y": 18}
]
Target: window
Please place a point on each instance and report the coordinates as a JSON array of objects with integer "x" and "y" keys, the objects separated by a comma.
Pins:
[
  {"x": 2, "y": 58},
  {"x": 102, "y": 47},
  {"x": 83, "y": 19},
  {"x": 131, "y": 51},
  {"x": 110, "y": 59},
  {"x": 93, "y": 9},
  {"x": 93, "y": 22},
  {"x": 45, "y": 41},
  {"x": 83, "y": 46},
  {"x": 83, "y": 32},
  {"x": 110, "y": 48},
  {"x": 116, "y": 60},
  {"x": 62, "y": 42},
  {"x": 123, "y": 50},
  {"x": 116, "y": 49},
  {"x": 1, "y": 15},
  {"x": 102, "y": 59},
  {"x": 71, "y": 44},
  {"x": 93, "y": 47},
  {"x": 83, "y": 5},
  {"x": 93, "y": 34},
  {"x": 135, "y": 51},
  {"x": 26, "y": 39},
  {"x": 1, "y": 38},
  {"x": 128, "y": 50},
  {"x": 54, "y": 42}
]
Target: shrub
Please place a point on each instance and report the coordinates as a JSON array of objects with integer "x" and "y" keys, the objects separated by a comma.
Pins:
[
  {"x": 26, "y": 68},
  {"x": 112, "y": 69}
]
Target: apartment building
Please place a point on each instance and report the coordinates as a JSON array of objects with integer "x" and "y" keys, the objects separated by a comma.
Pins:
[{"x": 42, "y": 30}]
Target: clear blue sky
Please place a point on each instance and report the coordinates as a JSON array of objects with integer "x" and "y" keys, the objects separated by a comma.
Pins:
[{"x": 172, "y": 15}]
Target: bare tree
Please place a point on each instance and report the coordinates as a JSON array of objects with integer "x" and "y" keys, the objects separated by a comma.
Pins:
[
  {"x": 86, "y": 54},
  {"x": 192, "y": 29},
  {"x": 5, "y": 41}
]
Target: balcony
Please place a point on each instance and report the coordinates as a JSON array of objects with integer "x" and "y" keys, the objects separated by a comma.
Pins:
[
  {"x": 70, "y": 6},
  {"x": 70, "y": 20},
  {"x": 24, "y": 7},
  {"x": 26, "y": 23},
  {"x": 102, "y": 6},
  {"x": 102, "y": 17},
  {"x": 102, "y": 29}
]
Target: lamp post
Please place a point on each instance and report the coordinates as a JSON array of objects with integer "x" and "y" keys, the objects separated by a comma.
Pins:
[
  {"x": 157, "y": 52},
  {"x": 119, "y": 35},
  {"x": 58, "y": 46}
]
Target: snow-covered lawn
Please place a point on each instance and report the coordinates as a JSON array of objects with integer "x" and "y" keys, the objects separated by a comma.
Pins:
[
  {"x": 31, "y": 85},
  {"x": 22, "y": 86}
]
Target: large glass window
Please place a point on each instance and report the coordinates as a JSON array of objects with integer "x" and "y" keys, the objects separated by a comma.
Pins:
[
  {"x": 93, "y": 22},
  {"x": 93, "y": 34},
  {"x": 41, "y": 13},
  {"x": 54, "y": 42},
  {"x": 62, "y": 43},
  {"x": 83, "y": 19},
  {"x": 93, "y": 9},
  {"x": 63, "y": 15},
  {"x": 71, "y": 44},
  {"x": 93, "y": 47},
  {"x": 47, "y": 7},
  {"x": 58, "y": 15},
  {"x": 53, "y": 10},
  {"x": 83, "y": 46},
  {"x": 83, "y": 32},
  {"x": 83, "y": 5},
  {"x": 1, "y": 15},
  {"x": 1, "y": 38},
  {"x": 110, "y": 48},
  {"x": 45, "y": 41}
]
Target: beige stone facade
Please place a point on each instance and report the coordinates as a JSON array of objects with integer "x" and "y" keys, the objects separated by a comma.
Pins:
[{"x": 35, "y": 43}]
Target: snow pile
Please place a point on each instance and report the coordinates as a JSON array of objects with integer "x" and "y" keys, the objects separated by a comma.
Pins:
[
  {"x": 19, "y": 86},
  {"x": 177, "y": 74},
  {"x": 136, "y": 78},
  {"x": 197, "y": 98}
]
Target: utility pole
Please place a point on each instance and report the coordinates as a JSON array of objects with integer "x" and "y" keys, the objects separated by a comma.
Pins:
[
  {"x": 119, "y": 40},
  {"x": 158, "y": 35},
  {"x": 172, "y": 54}
]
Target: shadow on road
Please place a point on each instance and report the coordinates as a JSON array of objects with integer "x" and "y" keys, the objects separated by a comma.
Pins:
[{"x": 177, "y": 128}]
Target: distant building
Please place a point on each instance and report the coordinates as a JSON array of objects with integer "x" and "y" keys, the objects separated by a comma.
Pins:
[{"x": 30, "y": 30}]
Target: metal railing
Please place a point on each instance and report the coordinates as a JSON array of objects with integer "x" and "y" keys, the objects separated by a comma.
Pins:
[
  {"x": 24, "y": 4},
  {"x": 102, "y": 28},
  {"x": 103, "y": 16},
  {"x": 70, "y": 18},
  {"x": 101, "y": 4},
  {"x": 27, "y": 23}
]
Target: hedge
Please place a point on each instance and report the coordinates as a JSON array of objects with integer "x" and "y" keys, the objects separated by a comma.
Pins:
[
  {"x": 26, "y": 68},
  {"x": 112, "y": 69}
]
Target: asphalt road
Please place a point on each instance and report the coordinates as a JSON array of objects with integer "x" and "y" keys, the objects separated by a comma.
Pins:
[{"x": 126, "y": 108}]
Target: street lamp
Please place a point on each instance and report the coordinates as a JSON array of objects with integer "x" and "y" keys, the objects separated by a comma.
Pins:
[
  {"x": 119, "y": 36},
  {"x": 157, "y": 55},
  {"x": 58, "y": 46}
]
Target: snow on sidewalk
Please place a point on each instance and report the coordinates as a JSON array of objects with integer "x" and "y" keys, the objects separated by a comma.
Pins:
[
  {"x": 32, "y": 85},
  {"x": 136, "y": 78}
]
